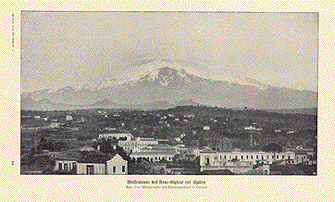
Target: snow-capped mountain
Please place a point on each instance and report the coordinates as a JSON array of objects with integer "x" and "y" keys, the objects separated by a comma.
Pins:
[
  {"x": 165, "y": 80},
  {"x": 153, "y": 68}
]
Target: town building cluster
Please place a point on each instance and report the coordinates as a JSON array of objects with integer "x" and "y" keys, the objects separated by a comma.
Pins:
[
  {"x": 166, "y": 141},
  {"x": 156, "y": 151}
]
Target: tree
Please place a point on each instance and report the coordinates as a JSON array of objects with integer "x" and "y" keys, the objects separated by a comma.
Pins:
[
  {"x": 272, "y": 147},
  {"x": 59, "y": 146},
  {"x": 43, "y": 140},
  {"x": 106, "y": 147},
  {"x": 140, "y": 166}
]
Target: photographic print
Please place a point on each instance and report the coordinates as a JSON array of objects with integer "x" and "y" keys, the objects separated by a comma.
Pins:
[{"x": 168, "y": 93}]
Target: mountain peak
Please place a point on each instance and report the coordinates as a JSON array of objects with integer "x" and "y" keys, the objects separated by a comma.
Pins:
[{"x": 163, "y": 75}]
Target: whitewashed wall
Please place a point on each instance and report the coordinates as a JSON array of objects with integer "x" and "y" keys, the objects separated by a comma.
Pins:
[
  {"x": 99, "y": 168},
  {"x": 70, "y": 164},
  {"x": 118, "y": 162}
]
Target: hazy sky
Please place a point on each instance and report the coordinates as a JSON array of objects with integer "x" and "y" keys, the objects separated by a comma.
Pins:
[{"x": 68, "y": 48}]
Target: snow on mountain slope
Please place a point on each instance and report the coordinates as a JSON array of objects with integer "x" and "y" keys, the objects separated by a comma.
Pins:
[
  {"x": 168, "y": 81},
  {"x": 239, "y": 80},
  {"x": 150, "y": 71},
  {"x": 161, "y": 63},
  {"x": 153, "y": 68}
]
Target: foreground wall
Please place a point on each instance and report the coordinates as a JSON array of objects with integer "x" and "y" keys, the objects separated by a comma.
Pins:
[{"x": 98, "y": 169}]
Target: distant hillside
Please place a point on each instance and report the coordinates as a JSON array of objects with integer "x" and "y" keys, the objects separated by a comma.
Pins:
[
  {"x": 217, "y": 111},
  {"x": 47, "y": 105},
  {"x": 186, "y": 102},
  {"x": 312, "y": 111}
]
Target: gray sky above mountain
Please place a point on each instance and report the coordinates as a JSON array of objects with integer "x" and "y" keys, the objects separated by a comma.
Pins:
[{"x": 70, "y": 48}]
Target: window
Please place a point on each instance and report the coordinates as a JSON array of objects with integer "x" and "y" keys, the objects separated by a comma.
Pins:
[
  {"x": 207, "y": 161},
  {"x": 247, "y": 157},
  {"x": 90, "y": 169},
  {"x": 123, "y": 169},
  {"x": 114, "y": 169},
  {"x": 225, "y": 157},
  {"x": 66, "y": 167},
  {"x": 60, "y": 166},
  {"x": 74, "y": 166},
  {"x": 256, "y": 156},
  {"x": 262, "y": 157},
  {"x": 241, "y": 156},
  {"x": 283, "y": 156}
]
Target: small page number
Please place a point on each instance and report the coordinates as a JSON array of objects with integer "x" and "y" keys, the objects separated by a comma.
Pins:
[{"x": 12, "y": 163}]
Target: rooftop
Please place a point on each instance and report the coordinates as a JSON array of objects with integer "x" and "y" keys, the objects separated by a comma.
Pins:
[{"x": 152, "y": 153}]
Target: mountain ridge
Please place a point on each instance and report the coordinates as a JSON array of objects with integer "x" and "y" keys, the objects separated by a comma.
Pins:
[{"x": 172, "y": 83}]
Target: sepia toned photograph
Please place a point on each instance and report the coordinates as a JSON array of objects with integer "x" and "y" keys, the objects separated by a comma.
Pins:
[{"x": 168, "y": 93}]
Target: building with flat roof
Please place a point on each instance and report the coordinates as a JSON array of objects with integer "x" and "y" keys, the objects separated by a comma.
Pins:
[
  {"x": 155, "y": 156},
  {"x": 255, "y": 157},
  {"x": 139, "y": 143},
  {"x": 107, "y": 136}
]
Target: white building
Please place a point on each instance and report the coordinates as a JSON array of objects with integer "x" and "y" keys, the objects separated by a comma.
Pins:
[
  {"x": 209, "y": 158},
  {"x": 207, "y": 128},
  {"x": 115, "y": 166},
  {"x": 110, "y": 129},
  {"x": 254, "y": 157},
  {"x": 68, "y": 118},
  {"x": 252, "y": 128},
  {"x": 154, "y": 156},
  {"x": 65, "y": 165},
  {"x": 91, "y": 168},
  {"x": 178, "y": 139},
  {"x": 106, "y": 136},
  {"x": 304, "y": 156},
  {"x": 54, "y": 125},
  {"x": 287, "y": 155},
  {"x": 138, "y": 143}
]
